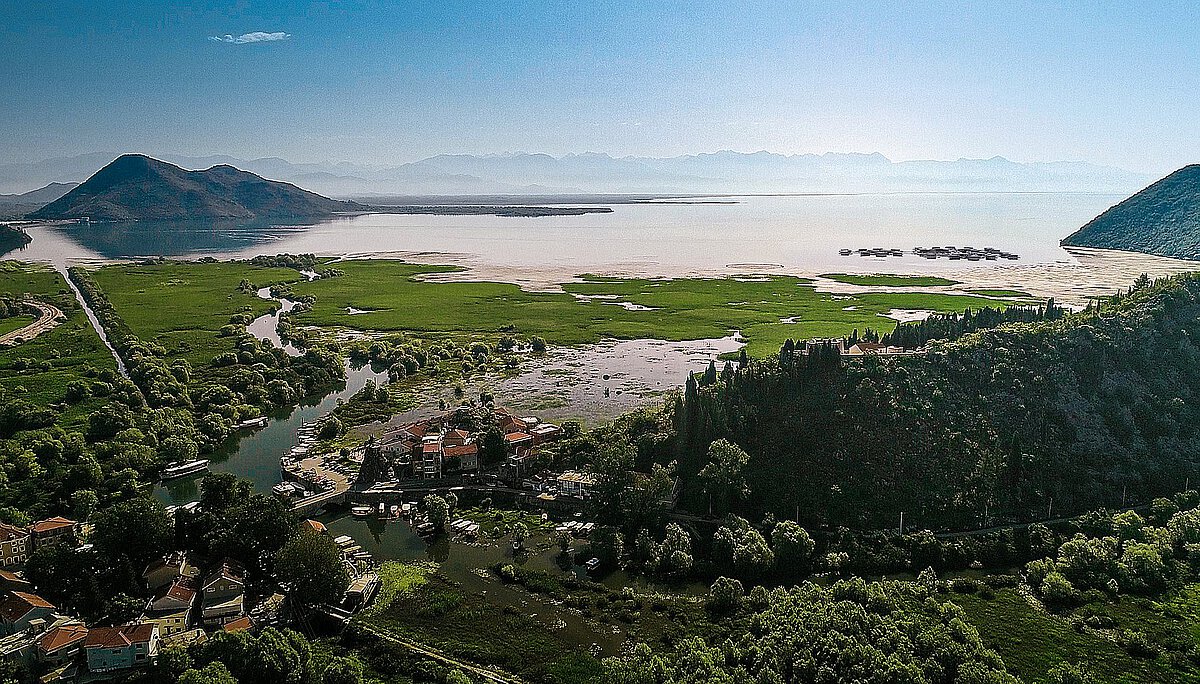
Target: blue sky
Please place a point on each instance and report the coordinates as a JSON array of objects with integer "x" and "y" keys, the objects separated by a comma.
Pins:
[{"x": 384, "y": 83}]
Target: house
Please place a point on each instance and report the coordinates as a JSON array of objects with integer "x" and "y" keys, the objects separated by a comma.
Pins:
[
  {"x": 545, "y": 432},
  {"x": 121, "y": 648},
  {"x": 518, "y": 441},
  {"x": 52, "y": 531},
  {"x": 167, "y": 569},
  {"x": 510, "y": 423},
  {"x": 10, "y": 581},
  {"x": 223, "y": 593},
  {"x": 61, "y": 644},
  {"x": 466, "y": 456},
  {"x": 19, "y": 609},
  {"x": 455, "y": 438},
  {"x": 430, "y": 464},
  {"x": 311, "y": 525},
  {"x": 572, "y": 483},
  {"x": 171, "y": 607},
  {"x": 242, "y": 624},
  {"x": 861, "y": 348},
  {"x": 14, "y": 545}
]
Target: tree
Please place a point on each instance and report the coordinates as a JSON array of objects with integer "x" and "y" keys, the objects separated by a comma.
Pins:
[
  {"x": 219, "y": 491},
  {"x": 83, "y": 502},
  {"x": 253, "y": 531},
  {"x": 177, "y": 448},
  {"x": 722, "y": 477},
  {"x": 1141, "y": 568},
  {"x": 311, "y": 565},
  {"x": 213, "y": 673},
  {"x": 492, "y": 450},
  {"x": 793, "y": 547},
  {"x": 1070, "y": 673},
  {"x": 607, "y": 545},
  {"x": 437, "y": 511},
  {"x": 518, "y": 532},
  {"x": 725, "y": 594},
  {"x": 138, "y": 529},
  {"x": 675, "y": 553},
  {"x": 343, "y": 670},
  {"x": 563, "y": 539}
]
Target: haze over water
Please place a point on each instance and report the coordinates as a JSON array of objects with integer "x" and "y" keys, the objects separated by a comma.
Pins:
[{"x": 790, "y": 233}]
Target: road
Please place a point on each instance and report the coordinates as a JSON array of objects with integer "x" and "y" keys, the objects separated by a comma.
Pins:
[{"x": 49, "y": 318}]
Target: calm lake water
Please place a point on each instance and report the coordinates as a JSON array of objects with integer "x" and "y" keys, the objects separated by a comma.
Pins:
[{"x": 801, "y": 233}]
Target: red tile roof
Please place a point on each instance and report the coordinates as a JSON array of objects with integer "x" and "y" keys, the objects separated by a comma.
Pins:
[
  {"x": 314, "y": 525},
  {"x": 11, "y": 532},
  {"x": 18, "y": 604},
  {"x": 463, "y": 450},
  {"x": 62, "y": 637},
  {"x": 514, "y": 437},
  {"x": 182, "y": 589},
  {"x": 51, "y": 525},
  {"x": 239, "y": 625},
  {"x": 119, "y": 637}
]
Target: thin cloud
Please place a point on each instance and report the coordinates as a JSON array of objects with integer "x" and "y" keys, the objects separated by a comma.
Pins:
[{"x": 252, "y": 37}]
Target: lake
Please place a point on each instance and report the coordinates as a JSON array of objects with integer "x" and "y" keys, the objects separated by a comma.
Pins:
[{"x": 789, "y": 233}]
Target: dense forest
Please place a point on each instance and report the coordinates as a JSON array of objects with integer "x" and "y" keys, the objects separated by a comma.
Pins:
[
  {"x": 1021, "y": 422},
  {"x": 1163, "y": 219}
]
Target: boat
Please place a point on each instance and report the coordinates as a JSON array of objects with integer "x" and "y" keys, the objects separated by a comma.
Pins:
[
  {"x": 395, "y": 511},
  {"x": 383, "y": 511},
  {"x": 361, "y": 511},
  {"x": 252, "y": 423},
  {"x": 592, "y": 564},
  {"x": 844, "y": 252},
  {"x": 343, "y": 540},
  {"x": 184, "y": 468},
  {"x": 283, "y": 489}
]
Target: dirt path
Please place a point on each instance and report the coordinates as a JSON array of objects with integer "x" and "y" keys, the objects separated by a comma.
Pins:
[
  {"x": 49, "y": 318},
  {"x": 487, "y": 675}
]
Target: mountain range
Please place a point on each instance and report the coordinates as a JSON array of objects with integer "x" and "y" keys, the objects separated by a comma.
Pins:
[
  {"x": 723, "y": 172},
  {"x": 1163, "y": 219},
  {"x": 135, "y": 187}
]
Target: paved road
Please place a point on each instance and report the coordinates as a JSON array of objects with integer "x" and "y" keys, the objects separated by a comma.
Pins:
[{"x": 49, "y": 318}]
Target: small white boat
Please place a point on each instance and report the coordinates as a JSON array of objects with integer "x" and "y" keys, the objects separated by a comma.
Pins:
[
  {"x": 344, "y": 540},
  {"x": 361, "y": 511},
  {"x": 184, "y": 468},
  {"x": 261, "y": 421},
  {"x": 592, "y": 564}
]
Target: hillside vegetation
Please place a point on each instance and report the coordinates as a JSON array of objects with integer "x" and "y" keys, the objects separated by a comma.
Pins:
[
  {"x": 1017, "y": 422},
  {"x": 1162, "y": 219}
]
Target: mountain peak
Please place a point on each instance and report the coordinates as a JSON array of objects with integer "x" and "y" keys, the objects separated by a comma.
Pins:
[{"x": 135, "y": 187}]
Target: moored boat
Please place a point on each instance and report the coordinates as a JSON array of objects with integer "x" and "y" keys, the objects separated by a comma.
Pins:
[{"x": 184, "y": 468}]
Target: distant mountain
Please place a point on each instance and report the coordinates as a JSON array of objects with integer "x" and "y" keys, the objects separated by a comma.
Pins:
[
  {"x": 724, "y": 172},
  {"x": 1162, "y": 219},
  {"x": 43, "y": 195},
  {"x": 135, "y": 187}
]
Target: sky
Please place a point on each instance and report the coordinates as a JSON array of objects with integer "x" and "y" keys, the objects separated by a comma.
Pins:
[{"x": 1114, "y": 83}]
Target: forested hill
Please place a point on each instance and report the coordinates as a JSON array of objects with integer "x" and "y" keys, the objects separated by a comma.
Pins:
[
  {"x": 135, "y": 187},
  {"x": 1162, "y": 219},
  {"x": 1057, "y": 416}
]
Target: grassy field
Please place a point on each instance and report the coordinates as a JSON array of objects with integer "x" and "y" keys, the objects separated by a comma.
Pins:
[
  {"x": 999, "y": 293},
  {"x": 69, "y": 350},
  {"x": 1031, "y": 641},
  {"x": 767, "y": 310},
  {"x": 880, "y": 280},
  {"x": 182, "y": 306},
  {"x": 12, "y": 323}
]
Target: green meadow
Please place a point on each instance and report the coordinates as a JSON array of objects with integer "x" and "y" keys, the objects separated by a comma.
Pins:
[
  {"x": 183, "y": 305},
  {"x": 879, "y": 280},
  {"x": 38, "y": 370},
  {"x": 766, "y": 309}
]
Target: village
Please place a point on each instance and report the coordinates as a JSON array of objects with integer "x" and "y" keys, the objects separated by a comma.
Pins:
[
  {"x": 479, "y": 450},
  {"x": 190, "y": 598}
]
